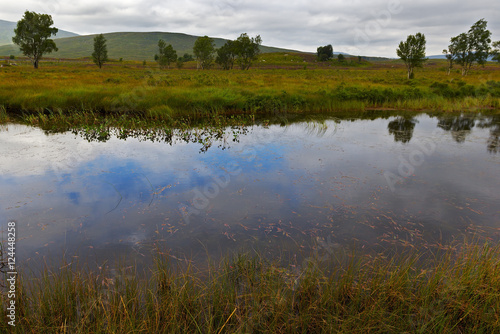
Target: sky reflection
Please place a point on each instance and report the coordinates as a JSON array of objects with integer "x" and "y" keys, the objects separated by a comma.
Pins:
[{"x": 278, "y": 189}]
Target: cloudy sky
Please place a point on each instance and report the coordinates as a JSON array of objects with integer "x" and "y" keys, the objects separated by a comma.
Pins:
[{"x": 372, "y": 28}]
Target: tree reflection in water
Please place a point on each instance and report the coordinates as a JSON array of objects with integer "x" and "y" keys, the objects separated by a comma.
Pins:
[
  {"x": 206, "y": 137},
  {"x": 402, "y": 128},
  {"x": 493, "y": 123},
  {"x": 459, "y": 126}
]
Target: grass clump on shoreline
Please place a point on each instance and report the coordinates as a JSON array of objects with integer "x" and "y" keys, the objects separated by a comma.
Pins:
[
  {"x": 457, "y": 291},
  {"x": 4, "y": 118}
]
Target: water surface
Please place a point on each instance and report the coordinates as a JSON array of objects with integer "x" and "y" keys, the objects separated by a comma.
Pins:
[{"x": 287, "y": 191}]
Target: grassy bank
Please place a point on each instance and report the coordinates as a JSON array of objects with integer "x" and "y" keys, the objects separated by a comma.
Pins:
[
  {"x": 457, "y": 291},
  {"x": 277, "y": 85}
]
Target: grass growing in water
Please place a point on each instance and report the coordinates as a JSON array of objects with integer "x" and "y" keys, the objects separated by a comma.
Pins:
[
  {"x": 457, "y": 291},
  {"x": 4, "y": 118}
]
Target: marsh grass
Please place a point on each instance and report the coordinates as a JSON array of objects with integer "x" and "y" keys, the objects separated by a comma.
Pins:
[
  {"x": 267, "y": 88},
  {"x": 4, "y": 118},
  {"x": 454, "y": 291}
]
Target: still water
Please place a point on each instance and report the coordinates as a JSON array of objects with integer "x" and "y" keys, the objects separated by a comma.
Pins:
[{"x": 282, "y": 190}]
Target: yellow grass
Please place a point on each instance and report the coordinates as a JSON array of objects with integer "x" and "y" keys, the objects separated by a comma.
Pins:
[{"x": 279, "y": 87}]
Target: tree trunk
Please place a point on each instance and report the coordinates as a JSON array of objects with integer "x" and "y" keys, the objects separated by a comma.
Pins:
[
  {"x": 410, "y": 73},
  {"x": 35, "y": 63}
]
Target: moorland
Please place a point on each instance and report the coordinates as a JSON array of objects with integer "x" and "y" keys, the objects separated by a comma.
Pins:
[{"x": 276, "y": 83}]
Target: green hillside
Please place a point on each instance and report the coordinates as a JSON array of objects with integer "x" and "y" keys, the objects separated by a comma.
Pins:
[
  {"x": 7, "y": 32},
  {"x": 127, "y": 45}
]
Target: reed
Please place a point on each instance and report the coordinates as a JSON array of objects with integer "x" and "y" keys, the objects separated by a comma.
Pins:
[
  {"x": 4, "y": 118},
  {"x": 453, "y": 291}
]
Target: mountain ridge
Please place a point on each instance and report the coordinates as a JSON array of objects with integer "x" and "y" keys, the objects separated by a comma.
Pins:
[
  {"x": 127, "y": 45},
  {"x": 7, "y": 32}
]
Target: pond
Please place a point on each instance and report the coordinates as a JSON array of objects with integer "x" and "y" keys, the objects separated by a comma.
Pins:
[{"x": 287, "y": 191}]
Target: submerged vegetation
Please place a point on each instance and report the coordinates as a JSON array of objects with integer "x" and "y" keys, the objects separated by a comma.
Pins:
[
  {"x": 453, "y": 291},
  {"x": 271, "y": 87}
]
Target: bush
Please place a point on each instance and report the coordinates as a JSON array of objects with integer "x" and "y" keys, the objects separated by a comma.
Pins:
[{"x": 442, "y": 89}]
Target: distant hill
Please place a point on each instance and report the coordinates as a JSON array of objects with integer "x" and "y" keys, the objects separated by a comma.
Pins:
[
  {"x": 490, "y": 58},
  {"x": 437, "y": 57},
  {"x": 7, "y": 32},
  {"x": 375, "y": 59},
  {"x": 129, "y": 45}
]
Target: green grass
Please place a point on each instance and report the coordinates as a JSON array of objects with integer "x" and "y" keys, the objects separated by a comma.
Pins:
[
  {"x": 454, "y": 291},
  {"x": 279, "y": 85}
]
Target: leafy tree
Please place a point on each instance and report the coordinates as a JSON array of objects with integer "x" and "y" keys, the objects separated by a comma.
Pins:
[
  {"x": 226, "y": 55},
  {"x": 471, "y": 47},
  {"x": 412, "y": 52},
  {"x": 186, "y": 57},
  {"x": 33, "y": 33},
  {"x": 462, "y": 54},
  {"x": 247, "y": 50},
  {"x": 166, "y": 54},
  {"x": 203, "y": 50},
  {"x": 341, "y": 57},
  {"x": 325, "y": 52},
  {"x": 100, "y": 54},
  {"x": 496, "y": 51},
  {"x": 449, "y": 57},
  {"x": 170, "y": 54}
]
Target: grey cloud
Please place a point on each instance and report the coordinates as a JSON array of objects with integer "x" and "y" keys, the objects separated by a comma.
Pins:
[{"x": 360, "y": 26}]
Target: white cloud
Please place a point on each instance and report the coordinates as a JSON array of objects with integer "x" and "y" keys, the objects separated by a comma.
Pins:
[{"x": 27, "y": 151}]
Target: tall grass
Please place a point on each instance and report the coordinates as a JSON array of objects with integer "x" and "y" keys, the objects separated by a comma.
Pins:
[
  {"x": 265, "y": 89},
  {"x": 456, "y": 291},
  {"x": 3, "y": 115}
]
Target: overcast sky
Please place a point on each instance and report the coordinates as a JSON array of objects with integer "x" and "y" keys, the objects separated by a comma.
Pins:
[{"x": 371, "y": 28}]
